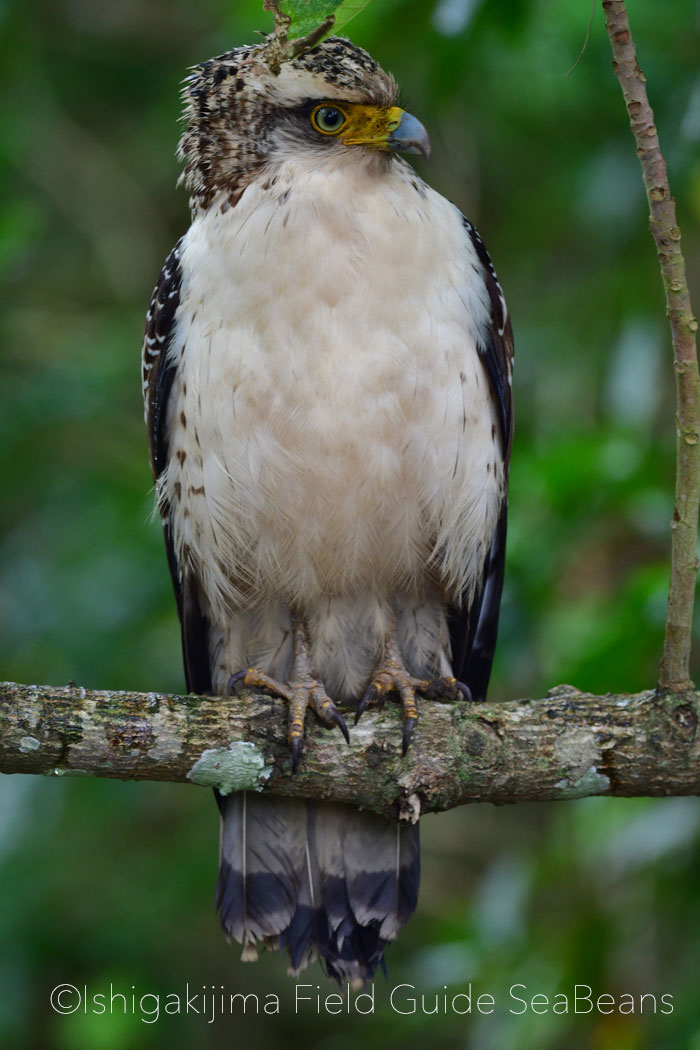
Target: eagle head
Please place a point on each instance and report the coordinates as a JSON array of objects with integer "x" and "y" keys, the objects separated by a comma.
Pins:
[{"x": 242, "y": 118}]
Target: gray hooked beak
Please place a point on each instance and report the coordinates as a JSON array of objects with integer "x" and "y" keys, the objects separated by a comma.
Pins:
[{"x": 409, "y": 137}]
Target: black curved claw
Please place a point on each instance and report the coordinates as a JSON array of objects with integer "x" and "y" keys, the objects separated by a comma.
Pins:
[
  {"x": 340, "y": 722},
  {"x": 233, "y": 682},
  {"x": 464, "y": 689},
  {"x": 361, "y": 707},
  {"x": 409, "y": 724},
  {"x": 370, "y": 695},
  {"x": 296, "y": 748}
]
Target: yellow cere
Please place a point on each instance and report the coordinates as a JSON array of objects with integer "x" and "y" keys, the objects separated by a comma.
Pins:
[{"x": 363, "y": 125}]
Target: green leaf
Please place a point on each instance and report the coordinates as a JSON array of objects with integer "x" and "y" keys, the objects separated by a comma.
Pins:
[{"x": 306, "y": 15}]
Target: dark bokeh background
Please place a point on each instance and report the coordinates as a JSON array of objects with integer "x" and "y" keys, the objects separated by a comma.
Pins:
[{"x": 106, "y": 882}]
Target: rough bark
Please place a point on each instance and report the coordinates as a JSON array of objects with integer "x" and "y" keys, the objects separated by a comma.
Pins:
[
  {"x": 675, "y": 661},
  {"x": 567, "y": 745}
]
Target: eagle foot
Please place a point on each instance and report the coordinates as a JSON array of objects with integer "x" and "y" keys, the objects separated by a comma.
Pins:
[
  {"x": 308, "y": 691},
  {"x": 391, "y": 676},
  {"x": 304, "y": 690}
]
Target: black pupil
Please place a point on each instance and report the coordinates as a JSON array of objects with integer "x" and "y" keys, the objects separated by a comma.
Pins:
[{"x": 330, "y": 117}]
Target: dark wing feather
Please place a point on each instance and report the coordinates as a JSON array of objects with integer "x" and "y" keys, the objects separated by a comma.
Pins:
[
  {"x": 159, "y": 369},
  {"x": 496, "y": 351},
  {"x": 473, "y": 630}
]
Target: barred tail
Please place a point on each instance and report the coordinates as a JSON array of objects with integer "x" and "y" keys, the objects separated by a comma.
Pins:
[{"x": 321, "y": 880}]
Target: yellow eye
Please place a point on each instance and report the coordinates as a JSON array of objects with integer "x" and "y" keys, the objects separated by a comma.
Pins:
[{"x": 329, "y": 120}]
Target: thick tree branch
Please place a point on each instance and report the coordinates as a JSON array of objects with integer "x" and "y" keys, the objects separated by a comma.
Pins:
[
  {"x": 568, "y": 745},
  {"x": 675, "y": 662}
]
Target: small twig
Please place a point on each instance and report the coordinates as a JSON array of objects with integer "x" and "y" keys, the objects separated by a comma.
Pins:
[
  {"x": 303, "y": 43},
  {"x": 585, "y": 42},
  {"x": 276, "y": 48},
  {"x": 675, "y": 662},
  {"x": 279, "y": 48}
]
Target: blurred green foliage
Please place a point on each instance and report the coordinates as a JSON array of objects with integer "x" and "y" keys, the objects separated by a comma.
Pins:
[{"x": 103, "y": 882}]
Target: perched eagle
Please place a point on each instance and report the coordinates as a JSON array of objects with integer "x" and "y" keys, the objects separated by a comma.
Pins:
[{"x": 327, "y": 378}]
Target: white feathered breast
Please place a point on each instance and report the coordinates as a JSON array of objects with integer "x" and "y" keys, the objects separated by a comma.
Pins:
[{"x": 331, "y": 431}]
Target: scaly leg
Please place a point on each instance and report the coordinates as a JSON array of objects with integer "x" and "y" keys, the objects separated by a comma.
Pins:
[
  {"x": 391, "y": 676},
  {"x": 304, "y": 689}
]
